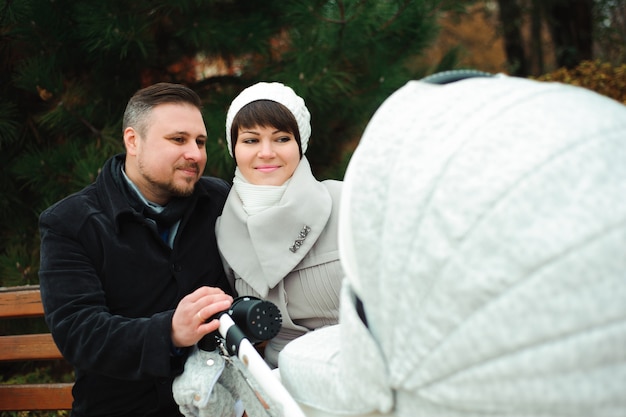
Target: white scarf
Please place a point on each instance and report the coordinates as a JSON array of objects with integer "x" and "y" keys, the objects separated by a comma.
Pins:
[
  {"x": 256, "y": 198},
  {"x": 268, "y": 235}
]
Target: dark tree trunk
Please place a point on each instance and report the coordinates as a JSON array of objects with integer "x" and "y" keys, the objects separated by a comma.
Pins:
[
  {"x": 571, "y": 24},
  {"x": 511, "y": 21},
  {"x": 536, "y": 49}
]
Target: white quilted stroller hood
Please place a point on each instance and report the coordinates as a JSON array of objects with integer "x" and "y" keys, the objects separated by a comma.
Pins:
[{"x": 483, "y": 226}]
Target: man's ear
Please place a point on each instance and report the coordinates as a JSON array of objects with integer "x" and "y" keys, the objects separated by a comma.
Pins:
[{"x": 131, "y": 137}]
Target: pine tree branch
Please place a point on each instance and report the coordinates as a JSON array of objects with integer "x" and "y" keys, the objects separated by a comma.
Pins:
[
  {"x": 5, "y": 11},
  {"x": 342, "y": 13},
  {"x": 395, "y": 16},
  {"x": 84, "y": 121}
]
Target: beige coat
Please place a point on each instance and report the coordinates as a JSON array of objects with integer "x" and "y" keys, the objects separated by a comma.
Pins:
[{"x": 287, "y": 254}]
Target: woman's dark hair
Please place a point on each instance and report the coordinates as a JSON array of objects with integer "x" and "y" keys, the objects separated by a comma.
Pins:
[{"x": 265, "y": 113}]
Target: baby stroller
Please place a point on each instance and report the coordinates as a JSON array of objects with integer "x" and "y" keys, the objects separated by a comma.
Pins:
[{"x": 226, "y": 368}]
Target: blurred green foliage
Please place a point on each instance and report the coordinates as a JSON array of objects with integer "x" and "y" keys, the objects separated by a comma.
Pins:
[{"x": 68, "y": 67}]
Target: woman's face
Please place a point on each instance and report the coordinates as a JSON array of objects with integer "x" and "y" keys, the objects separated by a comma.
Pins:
[{"x": 265, "y": 155}]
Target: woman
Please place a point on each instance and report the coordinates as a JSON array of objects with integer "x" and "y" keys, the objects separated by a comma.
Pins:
[{"x": 278, "y": 231}]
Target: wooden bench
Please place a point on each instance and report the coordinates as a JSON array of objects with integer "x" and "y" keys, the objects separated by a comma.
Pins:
[{"x": 22, "y": 302}]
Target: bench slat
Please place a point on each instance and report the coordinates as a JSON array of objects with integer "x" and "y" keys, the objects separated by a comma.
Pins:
[
  {"x": 36, "y": 397},
  {"x": 20, "y": 303},
  {"x": 28, "y": 347}
]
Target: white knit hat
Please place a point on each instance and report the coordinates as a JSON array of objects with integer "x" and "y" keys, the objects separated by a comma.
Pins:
[{"x": 275, "y": 92}]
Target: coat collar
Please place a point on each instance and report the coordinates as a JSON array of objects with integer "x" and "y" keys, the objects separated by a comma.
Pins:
[{"x": 115, "y": 204}]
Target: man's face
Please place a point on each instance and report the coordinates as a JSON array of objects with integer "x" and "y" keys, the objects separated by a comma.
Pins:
[{"x": 170, "y": 158}]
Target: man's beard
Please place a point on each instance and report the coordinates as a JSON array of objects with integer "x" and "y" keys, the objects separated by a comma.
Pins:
[
  {"x": 177, "y": 191},
  {"x": 170, "y": 188}
]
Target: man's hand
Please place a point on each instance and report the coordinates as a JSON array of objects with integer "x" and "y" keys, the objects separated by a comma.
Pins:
[{"x": 188, "y": 323}]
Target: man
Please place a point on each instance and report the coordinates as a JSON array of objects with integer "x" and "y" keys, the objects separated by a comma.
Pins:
[{"x": 130, "y": 270}]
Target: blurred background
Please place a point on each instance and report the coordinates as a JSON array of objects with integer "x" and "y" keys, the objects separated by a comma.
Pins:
[{"x": 68, "y": 67}]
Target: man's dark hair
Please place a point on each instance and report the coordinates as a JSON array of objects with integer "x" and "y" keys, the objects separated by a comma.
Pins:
[{"x": 143, "y": 101}]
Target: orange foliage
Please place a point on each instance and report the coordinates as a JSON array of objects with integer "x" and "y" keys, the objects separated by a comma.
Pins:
[{"x": 600, "y": 77}]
